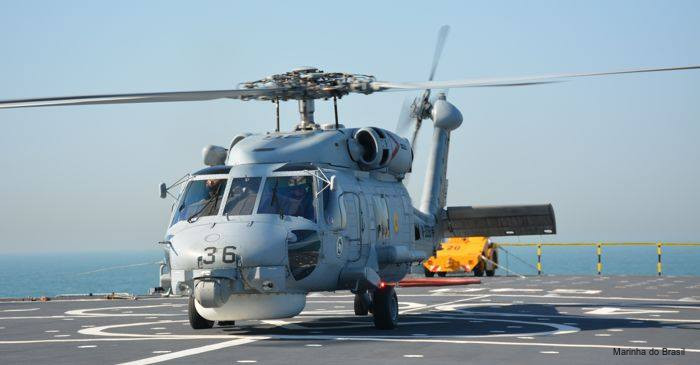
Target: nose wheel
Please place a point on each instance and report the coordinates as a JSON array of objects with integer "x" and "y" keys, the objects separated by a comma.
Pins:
[
  {"x": 197, "y": 322},
  {"x": 385, "y": 308}
]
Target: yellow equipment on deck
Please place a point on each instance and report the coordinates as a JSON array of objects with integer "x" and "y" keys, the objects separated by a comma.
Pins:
[{"x": 463, "y": 254}]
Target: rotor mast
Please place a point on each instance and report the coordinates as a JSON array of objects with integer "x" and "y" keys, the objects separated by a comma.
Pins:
[{"x": 306, "y": 112}]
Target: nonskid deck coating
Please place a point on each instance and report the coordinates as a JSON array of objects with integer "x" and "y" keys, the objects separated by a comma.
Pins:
[{"x": 536, "y": 320}]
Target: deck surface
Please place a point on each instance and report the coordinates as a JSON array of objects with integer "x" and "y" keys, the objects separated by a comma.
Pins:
[{"x": 534, "y": 320}]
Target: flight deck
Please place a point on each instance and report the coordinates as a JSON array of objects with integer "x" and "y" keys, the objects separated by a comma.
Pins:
[{"x": 533, "y": 320}]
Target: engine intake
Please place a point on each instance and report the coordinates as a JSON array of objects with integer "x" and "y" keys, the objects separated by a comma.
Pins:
[{"x": 376, "y": 148}]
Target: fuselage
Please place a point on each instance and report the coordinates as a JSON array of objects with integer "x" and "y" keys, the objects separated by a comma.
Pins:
[{"x": 287, "y": 214}]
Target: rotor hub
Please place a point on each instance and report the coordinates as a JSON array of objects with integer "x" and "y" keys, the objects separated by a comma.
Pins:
[{"x": 306, "y": 83}]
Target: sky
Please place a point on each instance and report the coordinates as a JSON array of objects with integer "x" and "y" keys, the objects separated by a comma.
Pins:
[{"x": 618, "y": 157}]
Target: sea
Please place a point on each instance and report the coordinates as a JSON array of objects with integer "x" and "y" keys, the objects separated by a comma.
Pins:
[{"x": 135, "y": 272}]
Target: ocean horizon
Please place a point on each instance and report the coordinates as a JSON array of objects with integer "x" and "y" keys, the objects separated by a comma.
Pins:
[{"x": 136, "y": 271}]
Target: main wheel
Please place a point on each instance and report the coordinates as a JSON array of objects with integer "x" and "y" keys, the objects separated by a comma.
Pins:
[
  {"x": 428, "y": 273},
  {"x": 360, "y": 305},
  {"x": 385, "y": 308},
  {"x": 196, "y": 321},
  {"x": 442, "y": 274}
]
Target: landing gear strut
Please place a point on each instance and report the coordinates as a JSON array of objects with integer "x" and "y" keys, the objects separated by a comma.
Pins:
[
  {"x": 385, "y": 308},
  {"x": 197, "y": 322}
]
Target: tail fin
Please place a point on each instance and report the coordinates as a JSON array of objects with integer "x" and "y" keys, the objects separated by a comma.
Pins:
[{"x": 446, "y": 118}]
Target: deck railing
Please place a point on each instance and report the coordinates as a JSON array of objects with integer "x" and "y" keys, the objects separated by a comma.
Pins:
[{"x": 599, "y": 249}]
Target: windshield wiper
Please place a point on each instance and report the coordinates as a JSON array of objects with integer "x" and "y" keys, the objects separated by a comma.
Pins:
[{"x": 215, "y": 198}]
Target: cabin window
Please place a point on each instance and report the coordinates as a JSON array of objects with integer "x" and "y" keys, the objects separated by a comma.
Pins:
[
  {"x": 201, "y": 198},
  {"x": 242, "y": 195},
  {"x": 303, "y": 253},
  {"x": 288, "y": 196}
]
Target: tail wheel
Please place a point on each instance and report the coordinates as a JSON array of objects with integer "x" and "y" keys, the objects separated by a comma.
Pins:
[
  {"x": 360, "y": 305},
  {"x": 385, "y": 308},
  {"x": 442, "y": 274},
  {"x": 196, "y": 321},
  {"x": 428, "y": 273}
]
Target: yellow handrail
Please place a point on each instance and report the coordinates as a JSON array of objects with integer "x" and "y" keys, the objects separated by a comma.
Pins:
[{"x": 599, "y": 249}]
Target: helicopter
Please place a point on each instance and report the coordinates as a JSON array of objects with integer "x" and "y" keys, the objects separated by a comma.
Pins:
[{"x": 276, "y": 216}]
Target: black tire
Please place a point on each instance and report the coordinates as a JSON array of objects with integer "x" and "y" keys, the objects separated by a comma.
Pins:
[
  {"x": 490, "y": 272},
  {"x": 479, "y": 270},
  {"x": 197, "y": 322},
  {"x": 428, "y": 273},
  {"x": 360, "y": 305},
  {"x": 386, "y": 308},
  {"x": 442, "y": 274}
]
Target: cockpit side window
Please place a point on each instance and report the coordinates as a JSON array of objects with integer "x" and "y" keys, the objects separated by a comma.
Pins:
[
  {"x": 242, "y": 195},
  {"x": 288, "y": 195},
  {"x": 201, "y": 198}
]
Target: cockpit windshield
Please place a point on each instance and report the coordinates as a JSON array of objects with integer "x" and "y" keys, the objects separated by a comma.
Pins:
[
  {"x": 201, "y": 198},
  {"x": 288, "y": 195},
  {"x": 242, "y": 195}
]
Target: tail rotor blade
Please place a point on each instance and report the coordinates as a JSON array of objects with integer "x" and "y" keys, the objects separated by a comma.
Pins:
[{"x": 442, "y": 37}]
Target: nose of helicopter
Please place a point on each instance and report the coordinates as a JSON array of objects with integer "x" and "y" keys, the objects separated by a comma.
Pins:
[{"x": 252, "y": 244}]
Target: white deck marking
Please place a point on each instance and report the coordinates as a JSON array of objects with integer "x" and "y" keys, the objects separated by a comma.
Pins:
[
  {"x": 247, "y": 361},
  {"x": 638, "y": 341},
  {"x": 574, "y": 291},
  {"x": 416, "y": 356},
  {"x": 615, "y": 330},
  {"x": 443, "y": 304},
  {"x": 87, "y": 346},
  {"x": 21, "y": 310},
  {"x": 52, "y": 331},
  {"x": 313, "y": 345},
  {"x": 61, "y": 335},
  {"x": 602, "y": 335},
  {"x": 500, "y": 290},
  {"x": 89, "y": 312},
  {"x": 189, "y": 352},
  {"x": 161, "y": 352},
  {"x": 606, "y": 311},
  {"x": 549, "y": 352}
]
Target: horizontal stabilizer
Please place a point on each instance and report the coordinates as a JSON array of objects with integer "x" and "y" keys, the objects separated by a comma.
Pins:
[{"x": 508, "y": 220}]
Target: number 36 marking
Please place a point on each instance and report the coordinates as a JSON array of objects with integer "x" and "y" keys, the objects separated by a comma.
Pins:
[{"x": 227, "y": 257}]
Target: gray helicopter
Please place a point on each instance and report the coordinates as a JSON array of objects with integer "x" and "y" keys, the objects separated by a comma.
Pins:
[{"x": 276, "y": 216}]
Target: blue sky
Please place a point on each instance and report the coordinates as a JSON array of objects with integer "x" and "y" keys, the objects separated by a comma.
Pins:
[{"x": 618, "y": 157}]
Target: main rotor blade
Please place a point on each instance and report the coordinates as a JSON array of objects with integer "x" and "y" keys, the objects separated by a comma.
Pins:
[
  {"x": 442, "y": 37},
  {"x": 141, "y": 98},
  {"x": 516, "y": 81}
]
